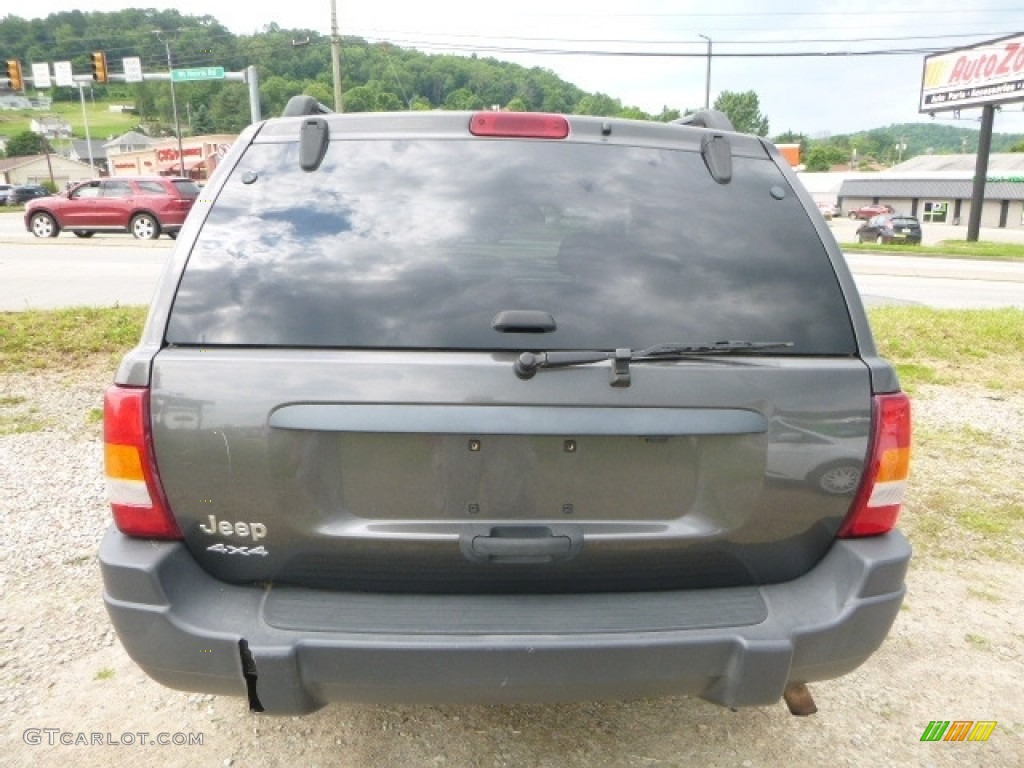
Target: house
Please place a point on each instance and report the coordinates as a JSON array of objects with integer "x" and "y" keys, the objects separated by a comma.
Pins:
[
  {"x": 35, "y": 169},
  {"x": 83, "y": 151},
  {"x": 132, "y": 141},
  {"x": 50, "y": 127}
]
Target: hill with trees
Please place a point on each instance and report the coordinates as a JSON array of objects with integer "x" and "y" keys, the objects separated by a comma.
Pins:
[
  {"x": 377, "y": 77},
  {"x": 888, "y": 146}
]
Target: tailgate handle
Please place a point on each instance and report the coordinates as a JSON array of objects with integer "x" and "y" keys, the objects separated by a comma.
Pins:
[{"x": 522, "y": 544}]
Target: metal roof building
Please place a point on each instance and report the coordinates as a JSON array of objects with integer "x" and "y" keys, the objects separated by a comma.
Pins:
[{"x": 938, "y": 188}]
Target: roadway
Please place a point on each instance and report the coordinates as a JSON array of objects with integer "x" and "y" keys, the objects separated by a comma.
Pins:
[{"x": 117, "y": 269}]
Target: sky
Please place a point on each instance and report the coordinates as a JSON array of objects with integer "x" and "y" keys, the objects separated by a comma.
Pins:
[{"x": 653, "y": 53}]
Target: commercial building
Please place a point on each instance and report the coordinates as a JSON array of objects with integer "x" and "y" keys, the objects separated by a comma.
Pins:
[
  {"x": 939, "y": 188},
  {"x": 198, "y": 157}
]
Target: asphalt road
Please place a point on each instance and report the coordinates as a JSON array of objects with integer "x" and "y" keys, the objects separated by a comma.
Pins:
[{"x": 113, "y": 269}]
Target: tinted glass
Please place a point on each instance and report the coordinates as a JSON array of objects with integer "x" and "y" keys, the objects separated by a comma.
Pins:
[
  {"x": 419, "y": 244},
  {"x": 151, "y": 188},
  {"x": 117, "y": 189},
  {"x": 92, "y": 190},
  {"x": 186, "y": 188}
]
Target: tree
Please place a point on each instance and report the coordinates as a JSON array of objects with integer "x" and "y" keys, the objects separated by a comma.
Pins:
[
  {"x": 599, "y": 105},
  {"x": 821, "y": 157},
  {"x": 202, "y": 123},
  {"x": 463, "y": 98},
  {"x": 1018, "y": 147},
  {"x": 791, "y": 137},
  {"x": 744, "y": 110},
  {"x": 24, "y": 144}
]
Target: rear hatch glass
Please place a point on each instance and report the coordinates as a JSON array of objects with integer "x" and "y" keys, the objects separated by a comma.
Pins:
[{"x": 419, "y": 244}]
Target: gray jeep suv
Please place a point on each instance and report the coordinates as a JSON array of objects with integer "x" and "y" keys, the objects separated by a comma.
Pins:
[{"x": 503, "y": 407}]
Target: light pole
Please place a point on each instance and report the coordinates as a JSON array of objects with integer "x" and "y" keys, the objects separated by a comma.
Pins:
[
  {"x": 85, "y": 121},
  {"x": 707, "y": 78},
  {"x": 174, "y": 103}
]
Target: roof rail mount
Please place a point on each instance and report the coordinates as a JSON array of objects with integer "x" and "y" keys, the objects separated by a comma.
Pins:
[
  {"x": 707, "y": 118},
  {"x": 301, "y": 105}
]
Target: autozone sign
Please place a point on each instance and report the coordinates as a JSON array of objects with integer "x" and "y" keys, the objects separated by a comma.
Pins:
[{"x": 987, "y": 73}]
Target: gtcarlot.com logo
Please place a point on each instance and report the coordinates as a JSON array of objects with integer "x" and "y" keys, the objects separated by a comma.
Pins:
[
  {"x": 958, "y": 730},
  {"x": 56, "y": 736}
]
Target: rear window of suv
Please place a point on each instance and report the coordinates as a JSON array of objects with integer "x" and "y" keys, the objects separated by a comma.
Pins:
[{"x": 418, "y": 244}]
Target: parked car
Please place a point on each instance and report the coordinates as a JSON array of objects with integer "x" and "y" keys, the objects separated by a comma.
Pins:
[
  {"x": 5, "y": 193},
  {"x": 453, "y": 407},
  {"x": 25, "y": 192},
  {"x": 867, "y": 211},
  {"x": 828, "y": 210},
  {"x": 146, "y": 206},
  {"x": 890, "y": 228}
]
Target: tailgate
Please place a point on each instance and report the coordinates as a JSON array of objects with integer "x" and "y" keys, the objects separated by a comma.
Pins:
[{"x": 443, "y": 472}]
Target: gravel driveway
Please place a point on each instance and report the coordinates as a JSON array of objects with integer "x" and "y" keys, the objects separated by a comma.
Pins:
[{"x": 956, "y": 652}]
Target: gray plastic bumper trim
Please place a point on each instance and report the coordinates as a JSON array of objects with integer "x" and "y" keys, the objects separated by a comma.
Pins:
[{"x": 183, "y": 627}]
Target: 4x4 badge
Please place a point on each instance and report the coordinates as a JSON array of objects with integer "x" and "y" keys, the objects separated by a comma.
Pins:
[{"x": 229, "y": 549}]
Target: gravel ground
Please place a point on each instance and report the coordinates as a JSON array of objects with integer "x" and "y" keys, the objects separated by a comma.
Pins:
[{"x": 956, "y": 652}]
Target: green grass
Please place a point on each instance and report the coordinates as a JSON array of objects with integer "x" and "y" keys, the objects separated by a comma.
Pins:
[
  {"x": 977, "y": 642},
  {"x": 928, "y": 346},
  {"x": 956, "y": 249},
  {"x": 20, "y": 423},
  {"x": 103, "y": 124},
  {"x": 67, "y": 339},
  {"x": 966, "y": 494},
  {"x": 952, "y": 347},
  {"x": 18, "y": 416}
]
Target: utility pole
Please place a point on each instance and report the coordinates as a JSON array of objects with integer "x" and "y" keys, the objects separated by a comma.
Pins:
[
  {"x": 336, "y": 56},
  {"x": 174, "y": 103},
  {"x": 707, "y": 77},
  {"x": 49, "y": 164}
]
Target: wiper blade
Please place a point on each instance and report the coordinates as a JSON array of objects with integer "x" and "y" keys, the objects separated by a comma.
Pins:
[
  {"x": 528, "y": 363},
  {"x": 661, "y": 351}
]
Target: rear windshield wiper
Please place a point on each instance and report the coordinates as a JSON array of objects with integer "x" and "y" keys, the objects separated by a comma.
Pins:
[{"x": 528, "y": 363}]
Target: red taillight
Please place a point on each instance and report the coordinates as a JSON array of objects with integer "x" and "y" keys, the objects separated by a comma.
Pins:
[
  {"x": 521, "y": 125},
  {"x": 136, "y": 498},
  {"x": 877, "y": 505}
]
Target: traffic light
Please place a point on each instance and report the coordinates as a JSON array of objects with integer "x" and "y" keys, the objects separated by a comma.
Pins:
[
  {"x": 14, "y": 74},
  {"x": 99, "y": 67}
]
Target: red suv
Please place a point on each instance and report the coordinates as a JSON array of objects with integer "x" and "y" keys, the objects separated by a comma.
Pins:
[
  {"x": 142, "y": 205},
  {"x": 867, "y": 211}
]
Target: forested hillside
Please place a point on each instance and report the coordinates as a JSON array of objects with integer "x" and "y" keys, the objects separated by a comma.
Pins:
[
  {"x": 379, "y": 76},
  {"x": 289, "y": 61}
]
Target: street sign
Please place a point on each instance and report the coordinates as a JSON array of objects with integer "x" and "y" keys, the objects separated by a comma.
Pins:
[
  {"x": 197, "y": 73},
  {"x": 132, "y": 69},
  {"x": 41, "y": 75},
  {"x": 62, "y": 74}
]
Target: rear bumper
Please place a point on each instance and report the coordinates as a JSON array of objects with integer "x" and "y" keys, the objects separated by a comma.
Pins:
[{"x": 294, "y": 650}]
